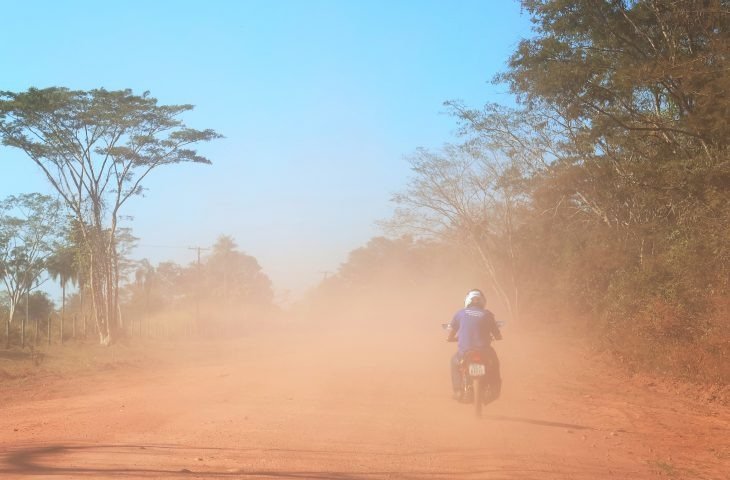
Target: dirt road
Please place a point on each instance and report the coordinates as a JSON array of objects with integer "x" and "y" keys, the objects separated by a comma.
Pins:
[{"x": 359, "y": 405}]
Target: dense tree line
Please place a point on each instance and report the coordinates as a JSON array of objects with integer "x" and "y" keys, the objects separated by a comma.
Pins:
[
  {"x": 629, "y": 219},
  {"x": 220, "y": 294},
  {"x": 394, "y": 281},
  {"x": 603, "y": 198},
  {"x": 223, "y": 293}
]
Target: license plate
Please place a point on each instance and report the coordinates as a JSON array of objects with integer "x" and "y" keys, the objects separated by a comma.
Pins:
[{"x": 476, "y": 370}]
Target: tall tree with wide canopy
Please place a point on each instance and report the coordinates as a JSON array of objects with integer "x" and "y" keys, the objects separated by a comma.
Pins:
[
  {"x": 467, "y": 196},
  {"x": 95, "y": 148},
  {"x": 640, "y": 88},
  {"x": 632, "y": 210},
  {"x": 654, "y": 67}
]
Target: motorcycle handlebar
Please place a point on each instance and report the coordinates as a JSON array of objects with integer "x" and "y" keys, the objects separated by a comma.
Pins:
[{"x": 447, "y": 326}]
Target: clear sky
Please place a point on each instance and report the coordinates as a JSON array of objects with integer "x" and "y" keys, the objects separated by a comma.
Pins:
[{"x": 319, "y": 102}]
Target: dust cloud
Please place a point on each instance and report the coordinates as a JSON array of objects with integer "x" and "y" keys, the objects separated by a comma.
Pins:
[{"x": 351, "y": 382}]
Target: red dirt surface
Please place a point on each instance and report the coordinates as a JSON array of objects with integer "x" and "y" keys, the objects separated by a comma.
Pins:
[{"x": 357, "y": 404}]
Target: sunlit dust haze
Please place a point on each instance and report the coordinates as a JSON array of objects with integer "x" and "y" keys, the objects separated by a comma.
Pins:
[
  {"x": 365, "y": 240},
  {"x": 318, "y": 103}
]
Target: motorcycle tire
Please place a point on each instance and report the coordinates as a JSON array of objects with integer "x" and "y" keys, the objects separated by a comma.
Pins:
[{"x": 478, "y": 395}]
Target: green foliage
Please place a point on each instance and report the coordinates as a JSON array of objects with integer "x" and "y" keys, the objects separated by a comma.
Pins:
[
  {"x": 410, "y": 279},
  {"x": 615, "y": 172},
  {"x": 638, "y": 193},
  {"x": 398, "y": 261},
  {"x": 233, "y": 276},
  {"x": 61, "y": 265},
  {"x": 30, "y": 227},
  {"x": 224, "y": 290},
  {"x": 96, "y": 148},
  {"x": 656, "y": 68},
  {"x": 470, "y": 195},
  {"x": 40, "y": 306},
  {"x": 116, "y": 131}
]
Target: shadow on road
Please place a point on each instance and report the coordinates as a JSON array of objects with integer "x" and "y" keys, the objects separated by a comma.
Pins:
[
  {"x": 178, "y": 461},
  {"x": 543, "y": 423}
]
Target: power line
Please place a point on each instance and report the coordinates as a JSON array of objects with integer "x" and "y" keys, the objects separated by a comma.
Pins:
[
  {"x": 198, "y": 249},
  {"x": 163, "y": 246}
]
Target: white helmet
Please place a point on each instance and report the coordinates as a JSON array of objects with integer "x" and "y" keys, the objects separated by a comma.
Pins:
[{"x": 475, "y": 297}]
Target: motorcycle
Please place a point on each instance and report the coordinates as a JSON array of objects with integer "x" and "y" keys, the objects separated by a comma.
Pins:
[{"x": 474, "y": 381}]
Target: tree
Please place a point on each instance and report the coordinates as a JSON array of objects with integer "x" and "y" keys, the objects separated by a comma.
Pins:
[
  {"x": 62, "y": 265},
  {"x": 225, "y": 287},
  {"x": 122, "y": 266},
  {"x": 379, "y": 259},
  {"x": 95, "y": 148},
  {"x": 467, "y": 196},
  {"x": 624, "y": 124},
  {"x": 29, "y": 230},
  {"x": 656, "y": 68},
  {"x": 39, "y": 307},
  {"x": 231, "y": 275},
  {"x": 642, "y": 83},
  {"x": 145, "y": 278}
]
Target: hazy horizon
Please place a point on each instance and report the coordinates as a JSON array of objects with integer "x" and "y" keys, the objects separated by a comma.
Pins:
[{"x": 318, "y": 102}]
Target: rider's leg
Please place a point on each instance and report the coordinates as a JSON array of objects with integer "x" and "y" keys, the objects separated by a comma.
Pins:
[
  {"x": 495, "y": 378},
  {"x": 456, "y": 374}
]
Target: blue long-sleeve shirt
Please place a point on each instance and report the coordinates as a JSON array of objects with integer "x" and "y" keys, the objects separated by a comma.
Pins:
[{"x": 475, "y": 327}]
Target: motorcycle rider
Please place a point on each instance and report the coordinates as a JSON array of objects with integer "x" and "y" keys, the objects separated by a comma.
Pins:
[{"x": 476, "y": 327}]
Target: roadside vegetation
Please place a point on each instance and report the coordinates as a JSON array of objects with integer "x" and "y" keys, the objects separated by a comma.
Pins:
[
  {"x": 95, "y": 148},
  {"x": 600, "y": 201}
]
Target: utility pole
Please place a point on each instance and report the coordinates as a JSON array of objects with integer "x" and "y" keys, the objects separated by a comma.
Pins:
[{"x": 197, "y": 292}]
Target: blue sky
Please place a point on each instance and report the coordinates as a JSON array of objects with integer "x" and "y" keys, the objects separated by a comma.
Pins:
[{"x": 319, "y": 102}]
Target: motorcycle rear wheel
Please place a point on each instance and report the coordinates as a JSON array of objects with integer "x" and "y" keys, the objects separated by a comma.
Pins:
[{"x": 478, "y": 393}]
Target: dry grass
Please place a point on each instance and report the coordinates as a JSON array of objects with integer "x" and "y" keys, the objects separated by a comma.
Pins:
[{"x": 73, "y": 358}]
